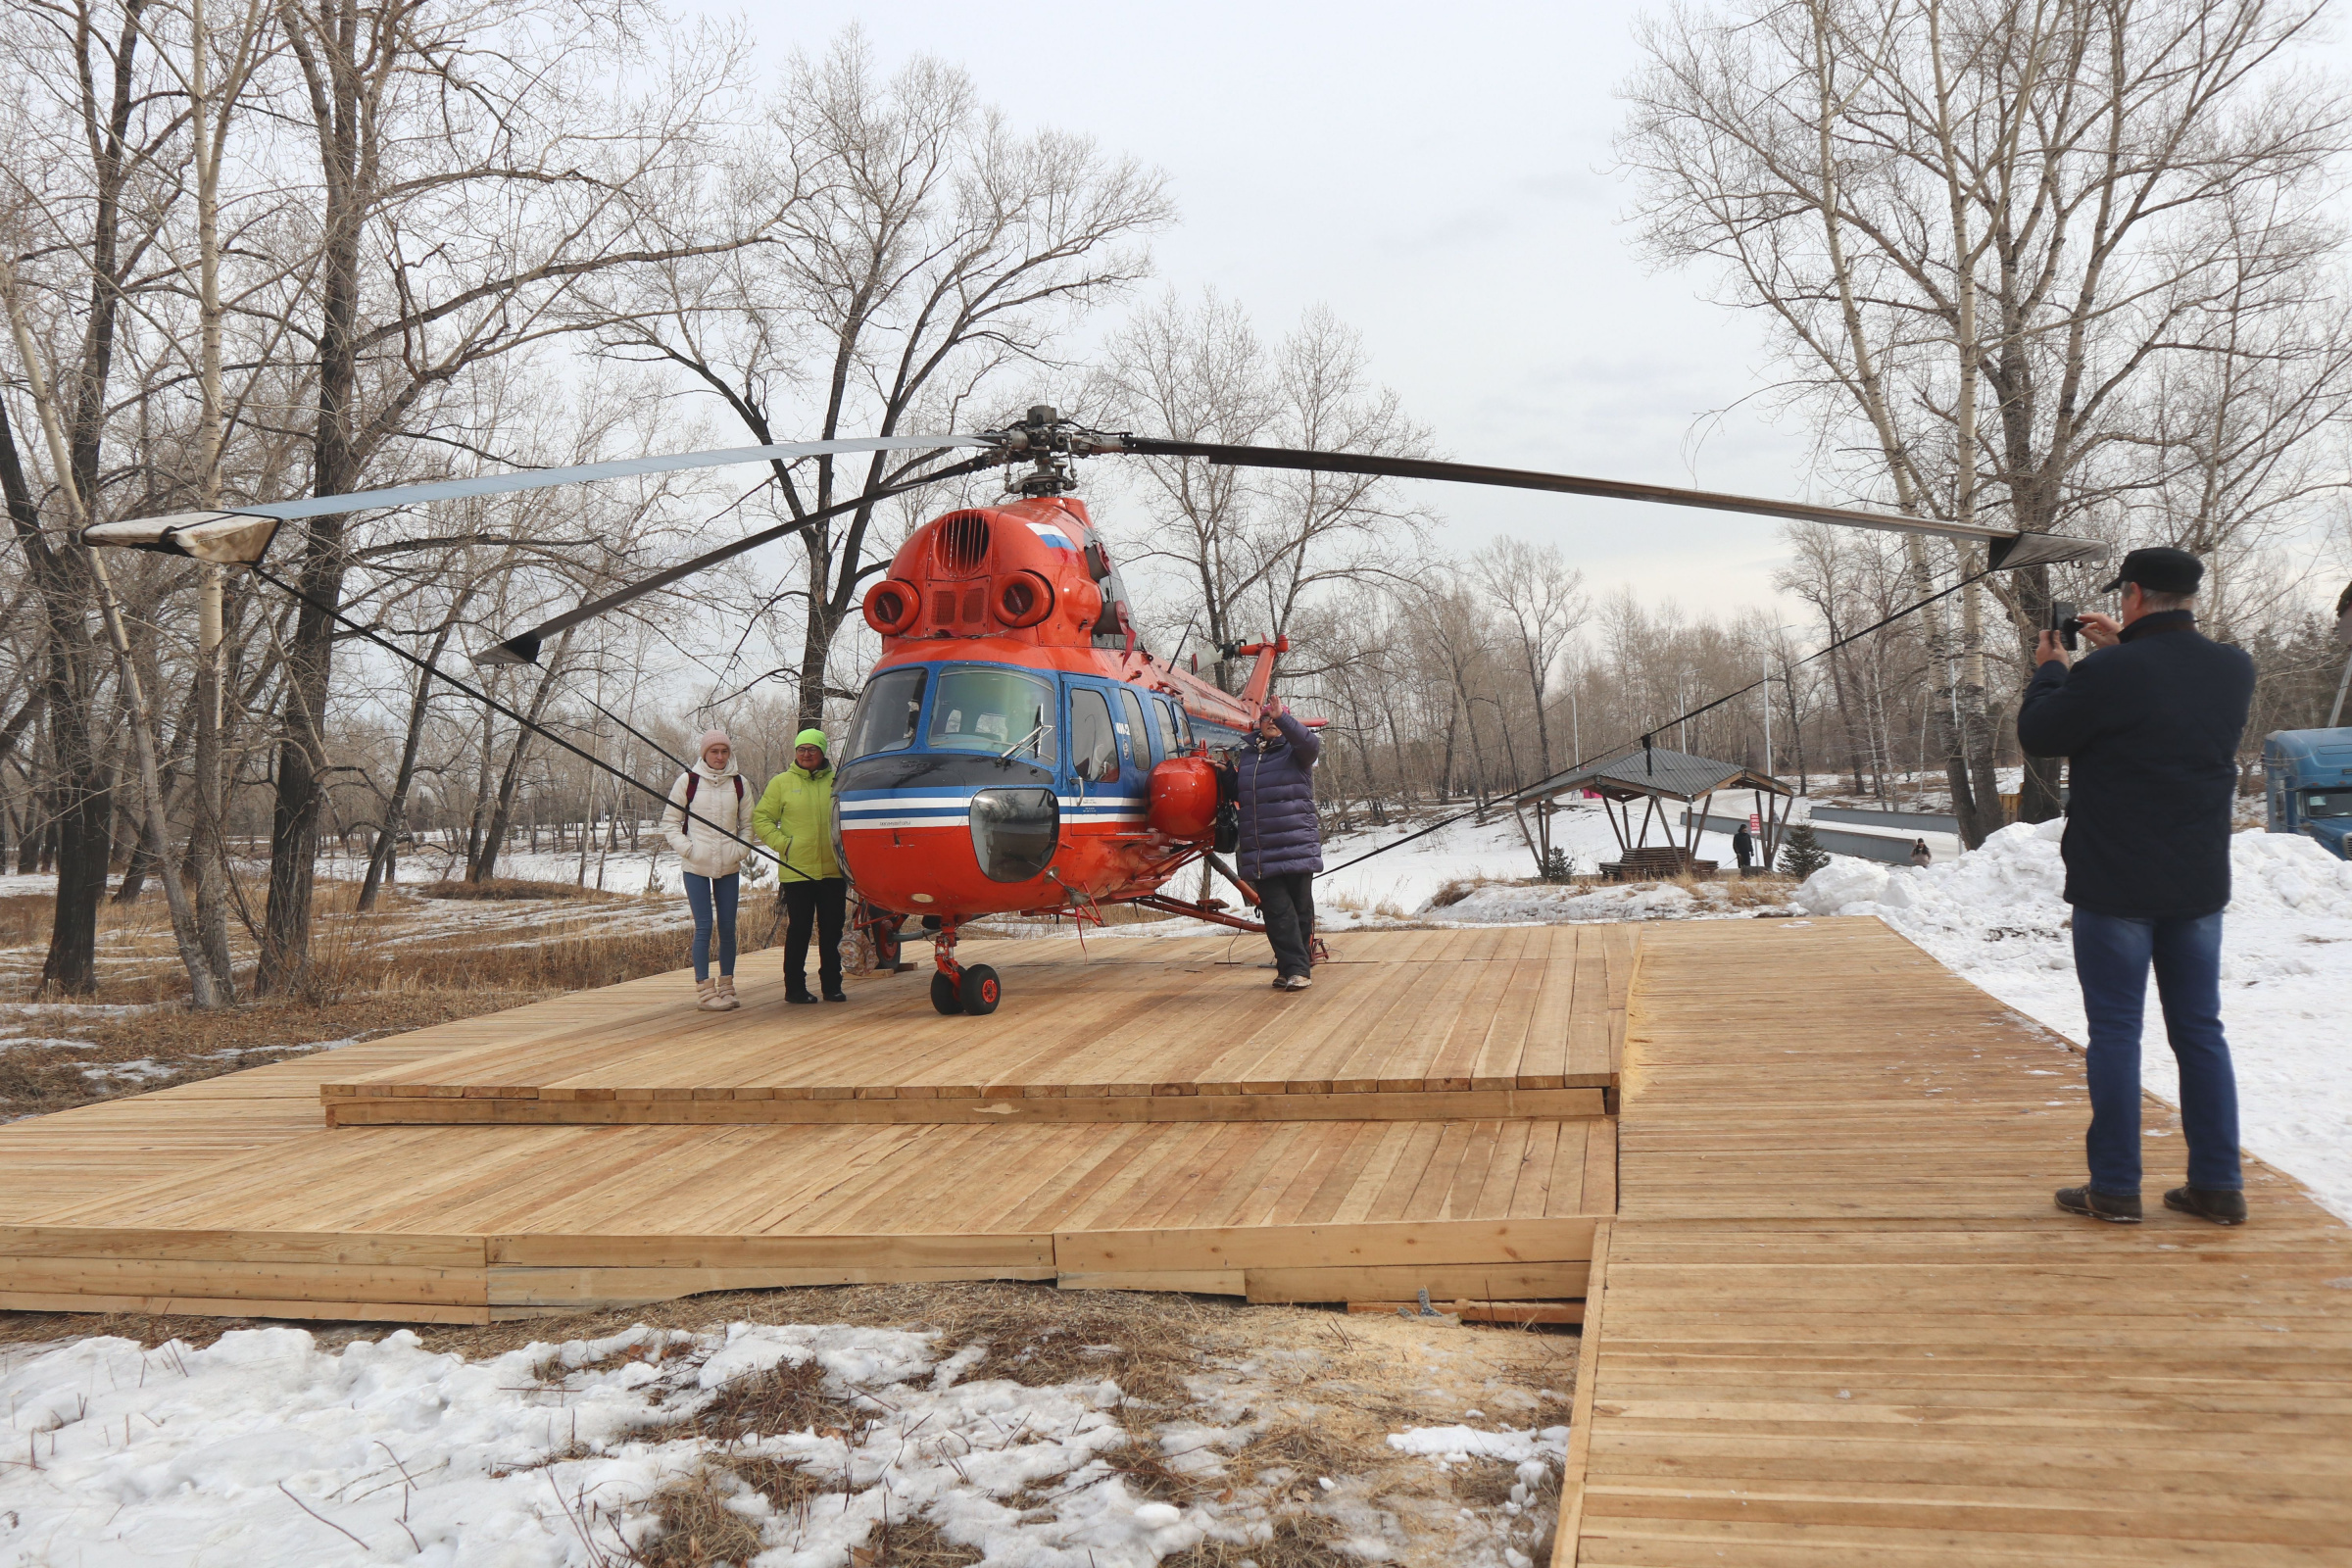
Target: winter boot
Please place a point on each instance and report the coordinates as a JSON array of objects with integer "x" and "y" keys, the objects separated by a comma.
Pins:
[
  {"x": 796, "y": 988},
  {"x": 728, "y": 1001},
  {"x": 2109, "y": 1206},
  {"x": 2224, "y": 1205},
  {"x": 706, "y": 997}
]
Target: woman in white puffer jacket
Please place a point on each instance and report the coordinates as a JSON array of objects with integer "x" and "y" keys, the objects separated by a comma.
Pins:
[{"x": 706, "y": 805}]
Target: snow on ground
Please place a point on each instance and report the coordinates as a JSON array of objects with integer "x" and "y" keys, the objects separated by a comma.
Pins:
[
  {"x": 1997, "y": 916},
  {"x": 1408, "y": 876},
  {"x": 264, "y": 1449}
]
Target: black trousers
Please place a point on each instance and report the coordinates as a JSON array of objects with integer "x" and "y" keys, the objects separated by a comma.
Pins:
[
  {"x": 822, "y": 899},
  {"x": 1287, "y": 902}
]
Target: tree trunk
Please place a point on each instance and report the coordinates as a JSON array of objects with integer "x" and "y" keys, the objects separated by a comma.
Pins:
[
  {"x": 334, "y": 470},
  {"x": 381, "y": 860},
  {"x": 502, "y": 812}
]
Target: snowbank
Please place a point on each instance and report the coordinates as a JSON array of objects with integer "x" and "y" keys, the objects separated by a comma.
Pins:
[
  {"x": 1997, "y": 917},
  {"x": 267, "y": 1451}
]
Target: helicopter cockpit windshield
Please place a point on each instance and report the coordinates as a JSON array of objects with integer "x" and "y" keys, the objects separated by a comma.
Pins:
[{"x": 995, "y": 709}]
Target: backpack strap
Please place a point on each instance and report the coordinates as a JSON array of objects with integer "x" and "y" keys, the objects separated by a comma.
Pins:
[{"x": 693, "y": 780}]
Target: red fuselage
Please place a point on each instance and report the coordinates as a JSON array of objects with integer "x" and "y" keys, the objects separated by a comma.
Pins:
[{"x": 1001, "y": 755}]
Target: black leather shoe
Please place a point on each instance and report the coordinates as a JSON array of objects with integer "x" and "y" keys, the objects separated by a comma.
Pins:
[
  {"x": 2112, "y": 1207},
  {"x": 836, "y": 994},
  {"x": 798, "y": 994},
  {"x": 2224, "y": 1205}
]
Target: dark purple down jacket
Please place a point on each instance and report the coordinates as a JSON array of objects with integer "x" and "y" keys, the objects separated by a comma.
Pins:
[{"x": 1275, "y": 786}]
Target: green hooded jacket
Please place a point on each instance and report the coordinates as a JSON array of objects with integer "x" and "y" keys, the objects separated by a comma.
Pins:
[{"x": 795, "y": 816}]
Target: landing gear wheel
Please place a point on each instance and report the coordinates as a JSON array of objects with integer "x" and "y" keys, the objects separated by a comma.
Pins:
[
  {"x": 947, "y": 996},
  {"x": 980, "y": 990}
]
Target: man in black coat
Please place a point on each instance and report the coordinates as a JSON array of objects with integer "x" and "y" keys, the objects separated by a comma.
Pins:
[{"x": 2149, "y": 721}]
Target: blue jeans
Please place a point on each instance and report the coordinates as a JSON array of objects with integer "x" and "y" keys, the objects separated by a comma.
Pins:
[
  {"x": 2112, "y": 958},
  {"x": 708, "y": 897}
]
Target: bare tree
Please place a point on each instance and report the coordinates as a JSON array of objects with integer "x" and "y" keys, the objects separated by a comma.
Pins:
[
  {"x": 1257, "y": 546},
  {"x": 1984, "y": 232},
  {"x": 923, "y": 247},
  {"x": 474, "y": 166},
  {"x": 1543, "y": 599}
]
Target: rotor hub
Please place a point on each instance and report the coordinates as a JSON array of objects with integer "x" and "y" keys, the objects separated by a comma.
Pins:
[{"x": 1050, "y": 443}]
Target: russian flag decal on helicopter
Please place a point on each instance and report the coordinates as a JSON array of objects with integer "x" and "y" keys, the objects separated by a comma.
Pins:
[{"x": 1051, "y": 535}]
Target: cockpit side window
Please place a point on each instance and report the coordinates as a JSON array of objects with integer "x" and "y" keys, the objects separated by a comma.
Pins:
[
  {"x": 1094, "y": 744},
  {"x": 1139, "y": 737},
  {"x": 1165, "y": 711},
  {"x": 885, "y": 720}
]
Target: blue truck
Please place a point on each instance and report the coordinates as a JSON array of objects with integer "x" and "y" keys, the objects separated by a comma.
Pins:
[{"x": 2309, "y": 775}]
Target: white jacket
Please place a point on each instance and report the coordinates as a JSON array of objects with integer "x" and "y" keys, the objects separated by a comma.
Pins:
[{"x": 721, "y": 801}]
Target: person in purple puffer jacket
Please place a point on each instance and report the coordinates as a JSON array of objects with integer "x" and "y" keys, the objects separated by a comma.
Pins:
[{"x": 1281, "y": 845}]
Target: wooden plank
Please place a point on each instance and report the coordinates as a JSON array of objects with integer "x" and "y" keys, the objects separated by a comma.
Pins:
[
  {"x": 1193, "y": 1280},
  {"x": 24, "y": 1242},
  {"x": 1574, "y": 1468},
  {"x": 1494, "y": 1282},
  {"x": 345, "y": 1311},
  {"x": 1511, "y": 1240},
  {"x": 971, "y": 1111},
  {"x": 289, "y": 1282},
  {"x": 592, "y": 1288}
]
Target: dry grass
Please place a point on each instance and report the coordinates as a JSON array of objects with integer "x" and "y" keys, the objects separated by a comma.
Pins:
[
  {"x": 423, "y": 955},
  {"x": 1460, "y": 888},
  {"x": 698, "y": 1528},
  {"x": 1298, "y": 1541}
]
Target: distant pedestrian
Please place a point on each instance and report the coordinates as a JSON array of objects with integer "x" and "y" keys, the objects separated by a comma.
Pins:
[
  {"x": 1744, "y": 846},
  {"x": 705, "y": 822},
  {"x": 2149, "y": 722},
  {"x": 795, "y": 817},
  {"x": 1919, "y": 854},
  {"x": 1282, "y": 844}
]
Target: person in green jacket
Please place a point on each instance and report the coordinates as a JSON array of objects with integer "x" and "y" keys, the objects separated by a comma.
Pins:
[{"x": 795, "y": 816}]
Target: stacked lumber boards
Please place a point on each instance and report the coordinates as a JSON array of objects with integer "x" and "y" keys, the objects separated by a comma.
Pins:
[
  {"x": 228, "y": 1197},
  {"x": 1837, "y": 1320},
  {"x": 472, "y": 1224},
  {"x": 1408, "y": 1025}
]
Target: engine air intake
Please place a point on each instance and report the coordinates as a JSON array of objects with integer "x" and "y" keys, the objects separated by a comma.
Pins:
[{"x": 960, "y": 547}]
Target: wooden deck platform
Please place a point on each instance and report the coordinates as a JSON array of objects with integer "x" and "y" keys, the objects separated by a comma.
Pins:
[
  {"x": 1323, "y": 1180},
  {"x": 1404, "y": 1025},
  {"x": 1837, "y": 1320}
]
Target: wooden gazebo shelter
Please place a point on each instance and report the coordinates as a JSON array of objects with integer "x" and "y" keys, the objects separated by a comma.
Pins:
[{"x": 1651, "y": 775}]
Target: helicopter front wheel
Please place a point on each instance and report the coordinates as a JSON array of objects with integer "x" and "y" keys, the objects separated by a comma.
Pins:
[{"x": 979, "y": 990}]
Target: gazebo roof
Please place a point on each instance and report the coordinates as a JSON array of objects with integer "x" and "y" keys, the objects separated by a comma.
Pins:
[{"x": 1661, "y": 774}]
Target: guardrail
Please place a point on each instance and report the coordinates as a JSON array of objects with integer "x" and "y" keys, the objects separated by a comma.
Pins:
[
  {"x": 1896, "y": 822},
  {"x": 1863, "y": 846}
]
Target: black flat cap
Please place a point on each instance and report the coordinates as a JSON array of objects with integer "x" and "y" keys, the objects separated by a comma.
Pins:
[{"x": 2160, "y": 569}]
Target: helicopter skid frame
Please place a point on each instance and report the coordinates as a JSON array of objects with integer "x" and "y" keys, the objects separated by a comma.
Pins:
[{"x": 1198, "y": 911}]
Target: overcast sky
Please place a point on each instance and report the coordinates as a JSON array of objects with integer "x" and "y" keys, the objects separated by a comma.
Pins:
[{"x": 1440, "y": 176}]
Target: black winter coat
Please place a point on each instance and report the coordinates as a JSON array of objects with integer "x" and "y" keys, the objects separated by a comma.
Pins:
[
  {"x": 1274, "y": 785},
  {"x": 2150, "y": 727}
]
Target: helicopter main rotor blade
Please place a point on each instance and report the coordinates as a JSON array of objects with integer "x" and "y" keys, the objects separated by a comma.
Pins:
[
  {"x": 2008, "y": 548},
  {"x": 177, "y": 534},
  {"x": 523, "y": 647}
]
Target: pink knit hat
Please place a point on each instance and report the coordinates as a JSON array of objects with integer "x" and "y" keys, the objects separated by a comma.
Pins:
[{"x": 710, "y": 738}]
